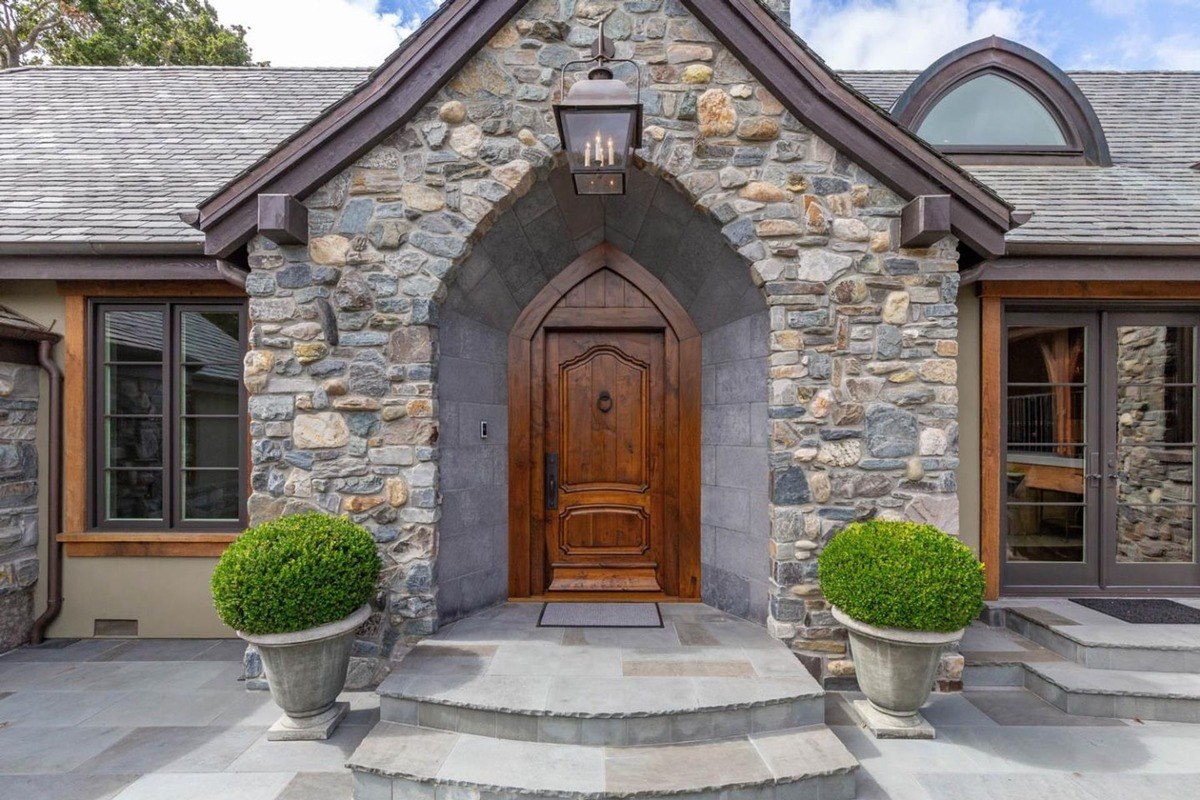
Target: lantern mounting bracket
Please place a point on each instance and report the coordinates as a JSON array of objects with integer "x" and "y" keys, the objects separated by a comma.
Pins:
[{"x": 603, "y": 52}]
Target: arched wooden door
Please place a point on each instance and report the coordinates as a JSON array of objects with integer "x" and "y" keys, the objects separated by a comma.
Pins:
[{"x": 604, "y": 437}]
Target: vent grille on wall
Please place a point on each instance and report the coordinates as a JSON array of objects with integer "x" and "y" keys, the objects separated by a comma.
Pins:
[{"x": 124, "y": 628}]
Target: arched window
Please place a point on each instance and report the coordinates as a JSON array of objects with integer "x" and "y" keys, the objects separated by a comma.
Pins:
[{"x": 996, "y": 101}]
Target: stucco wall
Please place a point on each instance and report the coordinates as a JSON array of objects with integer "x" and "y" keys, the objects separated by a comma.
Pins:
[
  {"x": 735, "y": 474},
  {"x": 968, "y": 417},
  {"x": 168, "y": 596}
]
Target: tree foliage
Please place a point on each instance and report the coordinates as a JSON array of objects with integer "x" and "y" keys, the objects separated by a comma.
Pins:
[{"x": 118, "y": 33}]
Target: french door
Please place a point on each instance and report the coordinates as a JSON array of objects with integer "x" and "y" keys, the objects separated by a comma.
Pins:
[{"x": 1099, "y": 466}]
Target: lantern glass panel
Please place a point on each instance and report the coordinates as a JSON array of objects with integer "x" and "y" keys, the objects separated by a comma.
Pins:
[
  {"x": 598, "y": 140},
  {"x": 600, "y": 183}
]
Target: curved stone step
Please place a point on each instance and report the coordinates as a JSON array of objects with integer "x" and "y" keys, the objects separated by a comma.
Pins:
[
  {"x": 620, "y": 692},
  {"x": 407, "y": 761},
  {"x": 1120, "y": 694}
]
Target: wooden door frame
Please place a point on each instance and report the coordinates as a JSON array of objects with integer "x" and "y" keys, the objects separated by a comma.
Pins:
[
  {"x": 993, "y": 297},
  {"x": 526, "y": 415}
]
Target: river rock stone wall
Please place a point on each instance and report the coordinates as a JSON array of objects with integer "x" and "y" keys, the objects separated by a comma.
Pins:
[
  {"x": 343, "y": 366},
  {"x": 18, "y": 502}
]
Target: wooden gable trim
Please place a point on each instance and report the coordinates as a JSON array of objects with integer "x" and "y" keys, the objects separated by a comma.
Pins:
[
  {"x": 405, "y": 82},
  {"x": 412, "y": 75},
  {"x": 848, "y": 121}
]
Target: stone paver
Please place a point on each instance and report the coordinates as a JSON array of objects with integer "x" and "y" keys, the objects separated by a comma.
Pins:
[
  {"x": 999, "y": 744},
  {"x": 156, "y": 720}
]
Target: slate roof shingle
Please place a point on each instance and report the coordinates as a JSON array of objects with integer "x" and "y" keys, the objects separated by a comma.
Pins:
[{"x": 108, "y": 157}]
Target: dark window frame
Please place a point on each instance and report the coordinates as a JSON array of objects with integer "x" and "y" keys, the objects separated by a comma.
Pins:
[
  {"x": 1030, "y": 71},
  {"x": 172, "y": 309}
]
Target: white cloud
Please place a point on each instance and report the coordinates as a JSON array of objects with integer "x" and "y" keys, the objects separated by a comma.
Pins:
[
  {"x": 903, "y": 34},
  {"x": 316, "y": 33},
  {"x": 1177, "y": 52}
]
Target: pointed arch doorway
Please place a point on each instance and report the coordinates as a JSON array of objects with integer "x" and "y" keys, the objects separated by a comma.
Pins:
[{"x": 604, "y": 437}]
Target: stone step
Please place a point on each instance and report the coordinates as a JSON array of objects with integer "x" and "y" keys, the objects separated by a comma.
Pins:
[
  {"x": 1121, "y": 646},
  {"x": 397, "y": 760},
  {"x": 614, "y": 711},
  {"x": 1121, "y": 694}
]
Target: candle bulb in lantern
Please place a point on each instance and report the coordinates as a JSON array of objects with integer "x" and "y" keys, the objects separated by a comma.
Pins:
[
  {"x": 599, "y": 149},
  {"x": 611, "y": 159},
  {"x": 587, "y": 155}
]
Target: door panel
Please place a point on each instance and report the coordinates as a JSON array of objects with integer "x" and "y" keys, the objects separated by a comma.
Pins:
[
  {"x": 1051, "y": 409},
  {"x": 1151, "y": 451},
  {"x": 604, "y": 412},
  {"x": 1100, "y": 463}
]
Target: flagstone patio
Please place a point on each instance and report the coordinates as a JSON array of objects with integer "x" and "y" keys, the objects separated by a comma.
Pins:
[{"x": 140, "y": 720}]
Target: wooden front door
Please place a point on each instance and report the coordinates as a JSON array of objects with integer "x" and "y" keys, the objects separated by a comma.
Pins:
[
  {"x": 604, "y": 437},
  {"x": 604, "y": 445}
]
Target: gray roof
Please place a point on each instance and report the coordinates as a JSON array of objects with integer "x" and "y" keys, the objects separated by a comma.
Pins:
[
  {"x": 1150, "y": 195},
  {"x": 110, "y": 156},
  {"x": 106, "y": 158}
]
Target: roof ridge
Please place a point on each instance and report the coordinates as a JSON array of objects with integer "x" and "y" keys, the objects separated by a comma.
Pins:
[{"x": 175, "y": 67}]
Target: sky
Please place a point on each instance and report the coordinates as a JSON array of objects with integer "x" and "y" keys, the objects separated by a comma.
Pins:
[{"x": 849, "y": 34}]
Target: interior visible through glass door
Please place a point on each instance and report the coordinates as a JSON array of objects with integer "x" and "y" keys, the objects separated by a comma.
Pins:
[{"x": 1050, "y": 460}]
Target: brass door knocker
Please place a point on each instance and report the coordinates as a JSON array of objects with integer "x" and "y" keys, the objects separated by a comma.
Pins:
[{"x": 605, "y": 403}]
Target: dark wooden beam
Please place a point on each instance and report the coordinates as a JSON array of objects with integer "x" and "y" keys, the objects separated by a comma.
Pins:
[
  {"x": 109, "y": 268},
  {"x": 925, "y": 221},
  {"x": 282, "y": 219}
]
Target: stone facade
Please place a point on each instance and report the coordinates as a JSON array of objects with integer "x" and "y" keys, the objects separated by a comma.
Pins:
[
  {"x": 18, "y": 502},
  {"x": 860, "y": 347}
]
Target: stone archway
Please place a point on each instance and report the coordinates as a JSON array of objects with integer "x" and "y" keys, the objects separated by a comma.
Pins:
[
  {"x": 854, "y": 397},
  {"x": 524, "y": 251}
]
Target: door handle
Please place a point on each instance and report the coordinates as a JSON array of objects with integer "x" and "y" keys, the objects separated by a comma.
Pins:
[
  {"x": 551, "y": 481},
  {"x": 1094, "y": 476}
]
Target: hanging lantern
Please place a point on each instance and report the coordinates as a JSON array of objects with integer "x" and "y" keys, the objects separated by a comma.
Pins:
[{"x": 600, "y": 124}]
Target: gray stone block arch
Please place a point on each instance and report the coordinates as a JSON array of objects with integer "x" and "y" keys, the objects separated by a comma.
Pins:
[{"x": 544, "y": 232}]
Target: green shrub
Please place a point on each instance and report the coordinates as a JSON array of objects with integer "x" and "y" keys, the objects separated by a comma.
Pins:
[
  {"x": 902, "y": 575},
  {"x": 294, "y": 573}
]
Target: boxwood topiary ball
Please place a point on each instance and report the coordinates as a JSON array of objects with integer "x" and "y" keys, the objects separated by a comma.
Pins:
[
  {"x": 902, "y": 575},
  {"x": 294, "y": 573}
]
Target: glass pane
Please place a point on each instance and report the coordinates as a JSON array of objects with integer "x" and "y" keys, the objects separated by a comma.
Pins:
[
  {"x": 134, "y": 442},
  {"x": 1046, "y": 397},
  {"x": 210, "y": 495},
  {"x": 1045, "y": 533},
  {"x": 991, "y": 110},
  {"x": 598, "y": 139},
  {"x": 210, "y": 442},
  {"x": 1046, "y": 354},
  {"x": 211, "y": 337},
  {"x": 1155, "y": 474},
  {"x": 1047, "y": 416},
  {"x": 133, "y": 335},
  {"x": 1155, "y": 414},
  {"x": 211, "y": 389},
  {"x": 1158, "y": 533},
  {"x": 134, "y": 494},
  {"x": 1155, "y": 354},
  {"x": 134, "y": 389}
]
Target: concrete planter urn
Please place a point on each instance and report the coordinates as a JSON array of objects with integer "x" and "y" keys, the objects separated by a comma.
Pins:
[
  {"x": 306, "y": 671},
  {"x": 895, "y": 668}
]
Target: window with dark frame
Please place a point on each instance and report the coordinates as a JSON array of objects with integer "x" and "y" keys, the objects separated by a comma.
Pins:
[{"x": 167, "y": 419}]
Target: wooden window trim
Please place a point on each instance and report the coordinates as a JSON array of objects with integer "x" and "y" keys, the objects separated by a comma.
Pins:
[
  {"x": 78, "y": 540},
  {"x": 993, "y": 297}
]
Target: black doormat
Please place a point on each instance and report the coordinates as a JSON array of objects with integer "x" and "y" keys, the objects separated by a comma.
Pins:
[
  {"x": 1143, "y": 612},
  {"x": 600, "y": 615}
]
